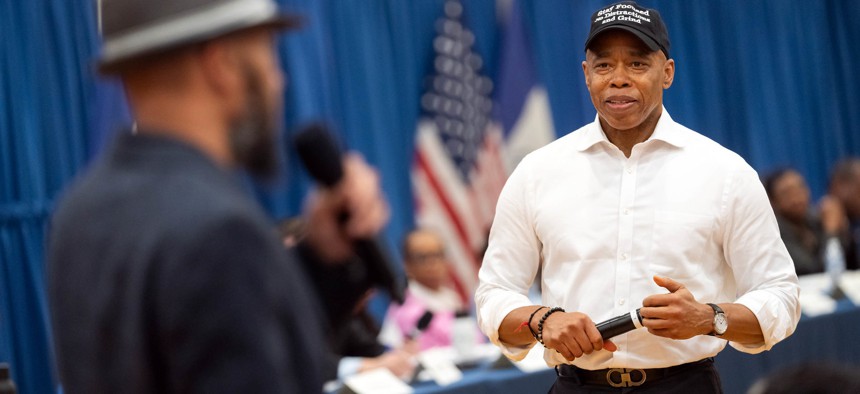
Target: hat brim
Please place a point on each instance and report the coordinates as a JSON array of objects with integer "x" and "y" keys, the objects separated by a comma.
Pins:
[
  {"x": 146, "y": 43},
  {"x": 648, "y": 41}
]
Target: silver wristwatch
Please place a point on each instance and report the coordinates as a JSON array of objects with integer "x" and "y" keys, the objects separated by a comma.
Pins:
[{"x": 721, "y": 322}]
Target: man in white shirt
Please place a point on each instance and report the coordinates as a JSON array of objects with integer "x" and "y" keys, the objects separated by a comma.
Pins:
[{"x": 635, "y": 210}]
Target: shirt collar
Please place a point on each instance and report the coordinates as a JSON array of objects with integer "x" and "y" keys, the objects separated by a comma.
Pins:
[{"x": 666, "y": 130}]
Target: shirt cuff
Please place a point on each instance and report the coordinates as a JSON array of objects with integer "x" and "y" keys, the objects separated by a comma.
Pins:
[
  {"x": 490, "y": 318},
  {"x": 776, "y": 319}
]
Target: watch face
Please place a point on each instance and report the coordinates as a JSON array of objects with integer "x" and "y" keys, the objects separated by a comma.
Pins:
[{"x": 721, "y": 324}]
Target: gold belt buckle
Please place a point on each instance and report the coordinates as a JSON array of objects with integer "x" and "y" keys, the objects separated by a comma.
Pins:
[{"x": 624, "y": 379}]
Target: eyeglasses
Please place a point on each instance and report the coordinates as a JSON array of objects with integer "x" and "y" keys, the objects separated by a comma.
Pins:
[{"x": 421, "y": 258}]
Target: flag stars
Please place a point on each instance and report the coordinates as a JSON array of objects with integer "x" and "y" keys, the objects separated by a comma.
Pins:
[
  {"x": 448, "y": 86},
  {"x": 449, "y": 47},
  {"x": 458, "y": 98},
  {"x": 453, "y": 9},
  {"x": 474, "y": 61},
  {"x": 449, "y": 28}
]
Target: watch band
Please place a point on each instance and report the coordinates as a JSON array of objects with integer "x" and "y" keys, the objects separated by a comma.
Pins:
[
  {"x": 717, "y": 311},
  {"x": 716, "y": 308}
]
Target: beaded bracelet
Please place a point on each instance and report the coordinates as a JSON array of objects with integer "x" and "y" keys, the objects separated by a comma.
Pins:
[
  {"x": 543, "y": 319},
  {"x": 529, "y": 323}
]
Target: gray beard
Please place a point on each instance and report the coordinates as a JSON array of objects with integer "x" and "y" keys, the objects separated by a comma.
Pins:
[{"x": 252, "y": 136}]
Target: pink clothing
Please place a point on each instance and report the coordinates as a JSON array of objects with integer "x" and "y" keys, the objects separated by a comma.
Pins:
[{"x": 406, "y": 317}]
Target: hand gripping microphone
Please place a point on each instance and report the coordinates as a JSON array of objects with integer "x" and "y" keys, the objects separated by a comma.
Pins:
[
  {"x": 323, "y": 159},
  {"x": 620, "y": 324}
]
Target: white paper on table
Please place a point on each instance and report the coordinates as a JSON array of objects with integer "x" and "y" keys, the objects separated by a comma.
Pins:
[
  {"x": 376, "y": 381},
  {"x": 814, "y": 283},
  {"x": 478, "y": 353},
  {"x": 534, "y": 360},
  {"x": 814, "y": 292},
  {"x": 850, "y": 284},
  {"x": 816, "y": 302},
  {"x": 438, "y": 364}
]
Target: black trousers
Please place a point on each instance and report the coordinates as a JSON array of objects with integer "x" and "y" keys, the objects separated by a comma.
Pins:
[{"x": 703, "y": 379}]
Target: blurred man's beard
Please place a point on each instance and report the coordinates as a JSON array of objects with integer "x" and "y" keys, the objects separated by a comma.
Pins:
[{"x": 252, "y": 136}]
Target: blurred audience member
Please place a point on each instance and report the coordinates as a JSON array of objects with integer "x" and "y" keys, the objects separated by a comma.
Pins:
[
  {"x": 845, "y": 188},
  {"x": 810, "y": 378},
  {"x": 359, "y": 350},
  {"x": 426, "y": 265},
  {"x": 355, "y": 345},
  {"x": 803, "y": 228}
]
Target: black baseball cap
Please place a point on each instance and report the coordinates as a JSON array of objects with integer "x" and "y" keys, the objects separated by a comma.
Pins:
[{"x": 644, "y": 23}]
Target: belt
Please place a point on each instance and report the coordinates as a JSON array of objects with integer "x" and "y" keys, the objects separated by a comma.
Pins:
[{"x": 625, "y": 377}]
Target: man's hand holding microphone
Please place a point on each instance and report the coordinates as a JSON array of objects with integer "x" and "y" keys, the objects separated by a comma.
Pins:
[{"x": 675, "y": 315}]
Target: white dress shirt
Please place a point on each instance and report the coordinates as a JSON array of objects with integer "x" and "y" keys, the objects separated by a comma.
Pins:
[{"x": 600, "y": 225}]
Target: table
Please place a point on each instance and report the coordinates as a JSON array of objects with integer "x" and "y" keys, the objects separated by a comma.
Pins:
[
  {"x": 828, "y": 337},
  {"x": 491, "y": 381}
]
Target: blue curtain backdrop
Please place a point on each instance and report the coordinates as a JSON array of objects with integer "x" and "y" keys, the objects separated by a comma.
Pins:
[
  {"x": 769, "y": 79},
  {"x": 46, "y": 117}
]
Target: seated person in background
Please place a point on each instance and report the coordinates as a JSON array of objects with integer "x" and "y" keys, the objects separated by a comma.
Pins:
[
  {"x": 845, "y": 188},
  {"x": 359, "y": 350},
  {"x": 355, "y": 345},
  {"x": 426, "y": 266},
  {"x": 804, "y": 229},
  {"x": 810, "y": 378}
]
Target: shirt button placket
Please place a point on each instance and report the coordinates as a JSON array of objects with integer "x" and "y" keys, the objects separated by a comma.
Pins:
[{"x": 625, "y": 236}]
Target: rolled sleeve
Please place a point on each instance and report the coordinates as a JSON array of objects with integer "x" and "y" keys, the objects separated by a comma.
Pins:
[
  {"x": 773, "y": 310},
  {"x": 763, "y": 271},
  {"x": 497, "y": 304},
  {"x": 510, "y": 264}
]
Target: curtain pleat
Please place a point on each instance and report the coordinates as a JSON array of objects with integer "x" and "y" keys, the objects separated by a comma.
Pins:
[{"x": 46, "y": 90}]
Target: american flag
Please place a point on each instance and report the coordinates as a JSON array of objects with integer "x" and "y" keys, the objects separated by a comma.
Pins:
[{"x": 458, "y": 169}]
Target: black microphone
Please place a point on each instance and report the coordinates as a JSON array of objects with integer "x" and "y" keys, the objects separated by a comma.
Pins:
[
  {"x": 620, "y": 324},
  {"x": 421, "y": 326},
  {"x": 322, "y": 158}
]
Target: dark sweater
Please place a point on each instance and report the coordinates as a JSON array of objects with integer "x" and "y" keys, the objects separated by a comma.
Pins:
[{"x": 164, "y": 276}]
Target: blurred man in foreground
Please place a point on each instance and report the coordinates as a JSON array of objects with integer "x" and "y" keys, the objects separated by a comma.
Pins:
[
  {"x": 355, "y": 346},
  {"x": 165, "y": 276}
]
